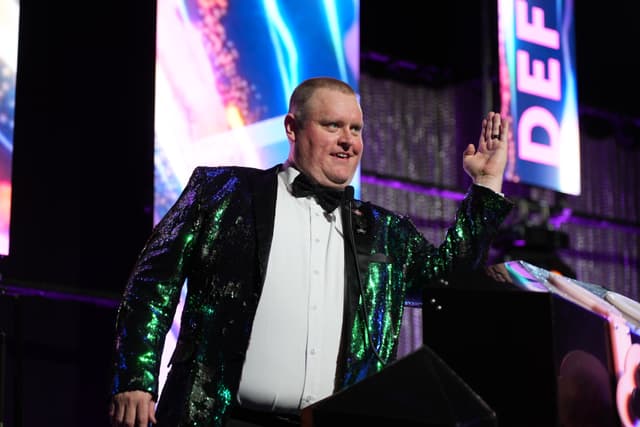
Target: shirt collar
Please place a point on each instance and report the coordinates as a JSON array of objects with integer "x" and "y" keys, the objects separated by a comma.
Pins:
[{"x": 288, "y": 173}]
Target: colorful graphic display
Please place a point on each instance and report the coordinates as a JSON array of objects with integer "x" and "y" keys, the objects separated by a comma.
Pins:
[
  {"x": 224, "y": 73},
  {"x": 9, "y": 21},
  {"x": 536, "y": 45}
]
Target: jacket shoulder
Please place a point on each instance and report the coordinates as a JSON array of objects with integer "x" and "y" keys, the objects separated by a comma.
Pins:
[
  {"x": 384, "y": 218},
  {"x": 221, "y": 172},
  {"x": 378, "y": 211}
]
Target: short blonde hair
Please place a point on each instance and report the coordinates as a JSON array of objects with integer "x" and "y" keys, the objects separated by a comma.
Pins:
[{"x": 305, "y": 90}]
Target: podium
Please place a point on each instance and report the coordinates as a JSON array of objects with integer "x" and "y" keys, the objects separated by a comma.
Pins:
[
  {"x": 539, "y": 355},
  {"x": 417, "y": 390},
  {"x": 513, "y": 346}
]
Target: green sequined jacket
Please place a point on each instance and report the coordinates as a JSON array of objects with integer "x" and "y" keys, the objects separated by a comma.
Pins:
[{"x": 217, "y": 236}]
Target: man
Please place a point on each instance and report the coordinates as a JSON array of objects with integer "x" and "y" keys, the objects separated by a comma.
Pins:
[{"x": 288, "y": 301}]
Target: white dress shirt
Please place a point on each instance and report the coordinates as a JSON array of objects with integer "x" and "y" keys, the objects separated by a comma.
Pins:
[{"x": 293, "y": 347}]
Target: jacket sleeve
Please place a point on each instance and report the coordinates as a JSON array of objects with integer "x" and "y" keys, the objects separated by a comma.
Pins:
[
  {"x": 466, "y": 244},
  {"x": 152, "y": 293}
]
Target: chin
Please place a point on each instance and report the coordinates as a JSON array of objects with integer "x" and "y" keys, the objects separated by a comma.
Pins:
[{"x": 340, "y": 184}]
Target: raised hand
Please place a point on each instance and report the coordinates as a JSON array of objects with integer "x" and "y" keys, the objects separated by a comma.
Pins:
[{"x": 486, "y": 163}]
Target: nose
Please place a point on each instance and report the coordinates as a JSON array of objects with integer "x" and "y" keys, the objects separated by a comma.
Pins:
[
  {"x": 344, "y": 145},
  {"x": 347, "y": 138}
]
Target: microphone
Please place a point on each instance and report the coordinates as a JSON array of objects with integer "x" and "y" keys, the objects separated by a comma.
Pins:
[
  {"x": 348, "y": 195},
  {"x": 347, "y": 198}
]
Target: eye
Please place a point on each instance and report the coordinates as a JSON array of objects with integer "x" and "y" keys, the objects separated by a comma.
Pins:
[{"x": 331, "y": 126}]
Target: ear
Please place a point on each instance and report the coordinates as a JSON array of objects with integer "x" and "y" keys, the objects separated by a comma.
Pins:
[{"x": 290, "y": 127}]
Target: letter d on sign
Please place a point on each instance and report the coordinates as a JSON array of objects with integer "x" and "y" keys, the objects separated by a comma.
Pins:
[{"x": 528, "y": 149}]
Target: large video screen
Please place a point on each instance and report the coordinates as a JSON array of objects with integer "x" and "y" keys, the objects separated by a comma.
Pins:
[
  {"x": 224, "y": 73},
  {"x": 538, "y": 91},
  {"x": 9, "y": 13}
]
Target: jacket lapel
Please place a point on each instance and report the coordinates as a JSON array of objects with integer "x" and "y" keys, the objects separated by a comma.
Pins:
[
  {"x": 358, "y": 222},
  {"x": 362, "y": 220},
  {"x": 264, "y": 189}
]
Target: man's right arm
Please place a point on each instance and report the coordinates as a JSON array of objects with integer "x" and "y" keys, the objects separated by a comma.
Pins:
[{"x": 149, "y": 302}]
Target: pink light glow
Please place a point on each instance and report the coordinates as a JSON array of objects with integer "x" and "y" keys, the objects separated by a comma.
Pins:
[
  {"x": 627, "y": 386},
  {"x": 5, "y": 212}
]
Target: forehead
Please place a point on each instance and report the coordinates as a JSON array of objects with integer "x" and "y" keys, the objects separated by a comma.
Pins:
[{"x": 332, "y": 102}]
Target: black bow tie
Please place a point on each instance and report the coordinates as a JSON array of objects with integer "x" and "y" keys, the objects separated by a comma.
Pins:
[{"x": 328, "y": 198}]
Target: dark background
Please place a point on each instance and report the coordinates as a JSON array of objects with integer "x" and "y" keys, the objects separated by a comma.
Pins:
[
  {"x": 448, "y": 40},
  {"x": 83, "y": 163},
  {"x": 83, "y": 143}
]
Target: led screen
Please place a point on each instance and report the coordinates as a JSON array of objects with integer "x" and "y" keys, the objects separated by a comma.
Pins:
[
  {"x": 224, "y": 73},
  {"x": 9, "y": 12},
  {"x": 538, "y": 91}
]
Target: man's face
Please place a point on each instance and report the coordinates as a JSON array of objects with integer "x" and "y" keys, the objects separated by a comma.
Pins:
[{"x": 328, "y": 145}]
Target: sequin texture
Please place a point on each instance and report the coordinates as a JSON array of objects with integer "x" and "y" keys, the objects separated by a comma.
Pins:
[{"x": 217, "y": 238}]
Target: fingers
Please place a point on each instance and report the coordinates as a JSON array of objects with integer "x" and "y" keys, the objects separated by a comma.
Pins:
[
  {"x": 494, "y": 130},
  {"x": 116, "y": 413},
  {"x": 140, "y": 416},
  {"x": 152, "y": 412},
  {"x": 493, "y": 126},
  {"x": 470, "y": 150},
  {"x": 489, "y": 128},
  {"x": 132, "y": 409},
  {"x": 504, "y": 134}
]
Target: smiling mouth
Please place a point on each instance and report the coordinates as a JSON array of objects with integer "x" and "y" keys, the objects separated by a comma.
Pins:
[{"x": 342, "y": 156}]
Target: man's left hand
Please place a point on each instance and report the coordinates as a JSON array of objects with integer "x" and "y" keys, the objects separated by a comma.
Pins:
[{"x": 486, "y": 164}]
